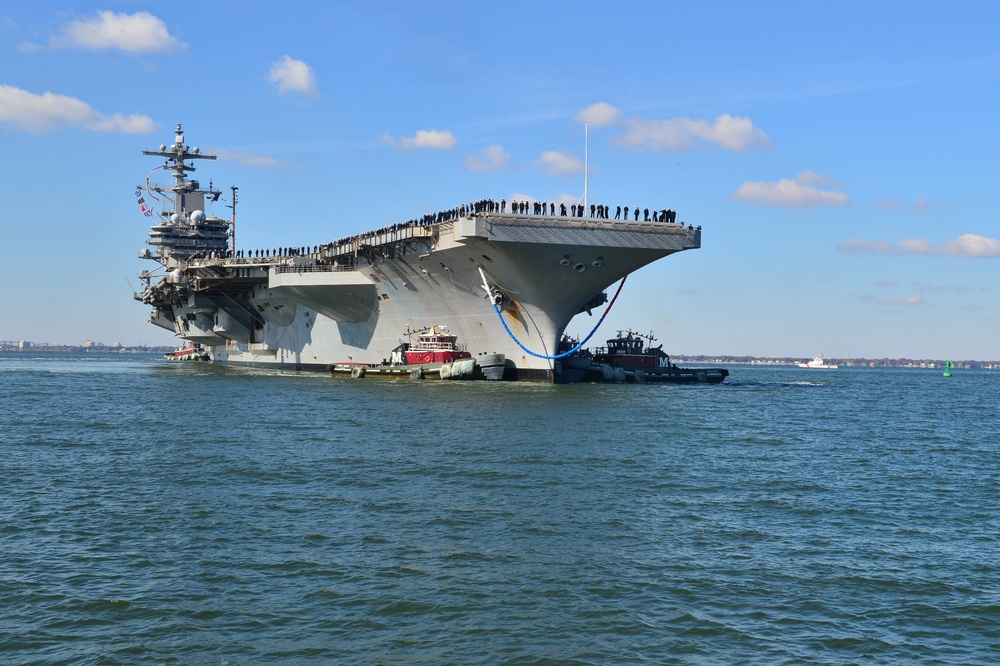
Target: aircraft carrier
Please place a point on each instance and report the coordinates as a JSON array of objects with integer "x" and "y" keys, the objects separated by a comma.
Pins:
[{"x": 505, "y": 284}]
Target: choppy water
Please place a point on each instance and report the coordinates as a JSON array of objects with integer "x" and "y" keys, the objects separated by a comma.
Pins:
[{"x": 155, "y": 513}]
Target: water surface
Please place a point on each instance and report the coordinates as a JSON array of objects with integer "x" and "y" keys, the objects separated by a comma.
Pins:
[{"x": 186, "y": 513}]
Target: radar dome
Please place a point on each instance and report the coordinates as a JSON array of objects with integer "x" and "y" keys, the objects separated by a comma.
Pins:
[
  {"x": 163, "y": 148},
  {"x": 175, "y": 218},
  {"x": 197, "y": 217}
]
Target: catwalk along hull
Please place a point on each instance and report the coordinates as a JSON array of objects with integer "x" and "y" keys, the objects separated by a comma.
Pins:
[{"x": 354, "y": 301}]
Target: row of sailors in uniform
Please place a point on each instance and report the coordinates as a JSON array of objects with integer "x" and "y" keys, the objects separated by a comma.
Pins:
[
  {"x": 598, "y": 211},
  {"x": 277, "y": 252}
]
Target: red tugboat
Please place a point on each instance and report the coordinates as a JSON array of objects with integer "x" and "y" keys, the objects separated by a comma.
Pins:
[
  {"x": 435, "y": 345},
  {"x": 630, "y": 358},
  {"x": 436, "y": 354},
  {"x": 194, "y": 352}
]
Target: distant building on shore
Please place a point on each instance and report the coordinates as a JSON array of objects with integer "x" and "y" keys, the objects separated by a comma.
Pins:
[
  {"x": 87, "y": 346},
  {"x": 20, "y": 345}
]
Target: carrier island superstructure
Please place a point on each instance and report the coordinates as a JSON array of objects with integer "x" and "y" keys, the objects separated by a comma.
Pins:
[{"x": 355, "y": 300}]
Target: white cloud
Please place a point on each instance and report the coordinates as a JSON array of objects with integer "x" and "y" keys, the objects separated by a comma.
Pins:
[
  {"x": 917, "y": 246},
  {"x": 134, "y": 33},
  {"x": 920, "y": 205},
  {"x": 957, "y": 288},
  {"x": 248, "y": 158},
  {"x": 598, "y": 115},
  {"x": 808, "y": 177},
  {"x": 966, "y": 245},
  {"x": 969, "y": 246},
  {"x": 134, "y": 124},
  {"x": 423, "y": 139},
  {"x": 291, "y": 75},
  {"x": 802, "y": 191},
  {"x": 49, "y": 112},
  {"x": 861, "y": 246},
  {"x": 664, "y": 136},
  {"x": 675, "y": 134},
  {"x": 890, "y": 204},
  {"x": 488, "y": 159},
  {"x": 559, "y": 163},
  {"x": 915, "y": 299}
]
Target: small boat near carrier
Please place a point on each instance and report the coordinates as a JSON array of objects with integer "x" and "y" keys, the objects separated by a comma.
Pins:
[
  {"x": 818, "y": 363},
  {"x": 193, "y": 352},
  {"x": 630, "y": 357},
  {"x": 436, "y": 354}
]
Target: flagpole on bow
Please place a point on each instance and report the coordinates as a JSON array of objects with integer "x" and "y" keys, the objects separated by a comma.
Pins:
[{"x": 586, "y": 162}]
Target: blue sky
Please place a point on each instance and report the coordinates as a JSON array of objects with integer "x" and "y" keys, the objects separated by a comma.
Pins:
[{"x": 840, "y": 157}]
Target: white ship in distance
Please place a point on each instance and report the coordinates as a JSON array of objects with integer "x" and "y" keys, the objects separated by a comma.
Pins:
[{"x": 818, "y": 363}]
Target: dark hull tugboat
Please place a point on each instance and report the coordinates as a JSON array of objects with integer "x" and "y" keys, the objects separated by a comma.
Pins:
[{"x": 631, "y": 358}]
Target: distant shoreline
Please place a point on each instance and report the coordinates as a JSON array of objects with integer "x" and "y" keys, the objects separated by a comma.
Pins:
[
  {"x": 682, "y": 359},
  {"x": 88, "y": 350},
  {"x": 842, "y": 362}
]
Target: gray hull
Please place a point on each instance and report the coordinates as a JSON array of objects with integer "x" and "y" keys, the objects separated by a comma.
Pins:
[{"x": 317, "y": 310}]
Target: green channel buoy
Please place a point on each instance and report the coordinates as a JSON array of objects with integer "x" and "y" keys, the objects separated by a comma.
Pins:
[{"x": 947, "y": 369}]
